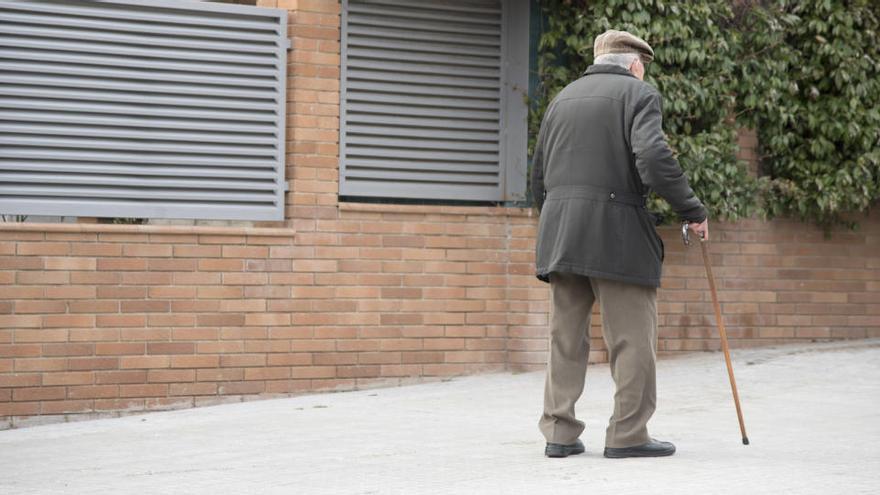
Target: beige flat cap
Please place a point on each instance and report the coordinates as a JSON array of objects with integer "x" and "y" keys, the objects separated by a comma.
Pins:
[{"x": 613, "y": 41}]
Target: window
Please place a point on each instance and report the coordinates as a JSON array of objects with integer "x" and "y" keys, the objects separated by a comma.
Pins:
[
  {"x": 148, "y": 108},
  {"x": 433, "y": 103}
]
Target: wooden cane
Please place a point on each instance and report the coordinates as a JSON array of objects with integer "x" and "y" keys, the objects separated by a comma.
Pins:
[
  {"x": 723, "y": 333},
  {"x": 721, "y": 330}
]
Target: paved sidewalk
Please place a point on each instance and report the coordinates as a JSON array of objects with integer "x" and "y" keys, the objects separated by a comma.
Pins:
[{"x": 812, "y": 413}]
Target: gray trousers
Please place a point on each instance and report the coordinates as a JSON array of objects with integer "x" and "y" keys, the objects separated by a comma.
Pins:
[{"x": 629, "y": 326}]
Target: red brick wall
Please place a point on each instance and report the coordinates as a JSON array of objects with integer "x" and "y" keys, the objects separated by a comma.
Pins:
[
  {"x": 120, "y": 317},
  {"x": 108, "y": 319}
]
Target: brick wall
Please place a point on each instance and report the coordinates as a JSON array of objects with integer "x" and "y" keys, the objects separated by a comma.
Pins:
[
  {"x": 778, "y": 282},
  {"x": 109, "y": 319}
]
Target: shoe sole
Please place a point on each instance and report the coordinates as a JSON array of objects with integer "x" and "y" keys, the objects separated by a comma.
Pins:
[
  {"x": 623, "y": 455},
  {"x": 563, "y": 454}
]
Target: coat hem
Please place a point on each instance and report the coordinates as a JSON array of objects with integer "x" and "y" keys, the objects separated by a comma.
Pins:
[{"x": 544, "y": 275}]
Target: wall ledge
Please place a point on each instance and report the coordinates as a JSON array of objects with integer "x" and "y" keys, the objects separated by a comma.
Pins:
[
  {"x": 438, "y": 209},
  {"x": 146, "y": 229}
]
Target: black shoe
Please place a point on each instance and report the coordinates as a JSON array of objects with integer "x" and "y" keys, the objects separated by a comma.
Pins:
[
  {"x": 561, "y": 450},
  {"x": 654, "y": 448}
]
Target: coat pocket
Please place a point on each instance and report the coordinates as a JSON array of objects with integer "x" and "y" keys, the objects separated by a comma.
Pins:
[
  {"x": 650, "y": 229},
  {"x": 662, "y": 247}
]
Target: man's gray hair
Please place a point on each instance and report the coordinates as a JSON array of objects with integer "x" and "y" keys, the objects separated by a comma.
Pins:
[{"x": 622, "y": 59}]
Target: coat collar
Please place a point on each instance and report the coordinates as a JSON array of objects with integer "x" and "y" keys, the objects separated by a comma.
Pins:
[{"x": 607, "y": 69}]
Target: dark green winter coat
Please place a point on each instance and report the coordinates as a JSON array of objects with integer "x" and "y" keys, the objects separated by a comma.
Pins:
[{"x": 600, "y": 150}]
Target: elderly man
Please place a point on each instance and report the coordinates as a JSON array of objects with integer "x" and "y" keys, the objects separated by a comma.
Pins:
[{"x": 600, "y": 150}]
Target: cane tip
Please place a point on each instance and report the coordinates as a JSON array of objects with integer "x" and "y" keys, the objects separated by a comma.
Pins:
[{"x": 745, "y": 440}]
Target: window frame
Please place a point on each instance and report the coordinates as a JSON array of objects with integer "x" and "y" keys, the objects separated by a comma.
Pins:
[{"x": 513, "y": 111}]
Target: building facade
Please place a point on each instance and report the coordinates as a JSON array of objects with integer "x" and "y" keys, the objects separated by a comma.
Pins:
[{"x": 379, "y": 237}]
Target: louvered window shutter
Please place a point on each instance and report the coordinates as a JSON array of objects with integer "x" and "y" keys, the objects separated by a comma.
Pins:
[
  {"x": 147, "y": 108},
  {"x": 422, "y": 103}
]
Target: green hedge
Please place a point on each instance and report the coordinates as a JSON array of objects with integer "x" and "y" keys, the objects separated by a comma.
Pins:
[{"x": 805, "y": 74}]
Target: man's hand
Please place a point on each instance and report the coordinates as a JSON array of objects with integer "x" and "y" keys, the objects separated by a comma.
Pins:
[{"x": 701, "y": 229}]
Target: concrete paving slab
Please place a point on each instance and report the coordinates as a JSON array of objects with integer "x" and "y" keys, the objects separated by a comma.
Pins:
[{"x": 812, "y": 413}]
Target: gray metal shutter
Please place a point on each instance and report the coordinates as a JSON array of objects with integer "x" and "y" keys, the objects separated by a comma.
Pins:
[
  {"x": 422, "y": 99},
  {"x": 148, "y": 108}
]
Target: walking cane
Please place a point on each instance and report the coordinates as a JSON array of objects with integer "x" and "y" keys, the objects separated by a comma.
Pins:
[{"x": 686, "y": 238}]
